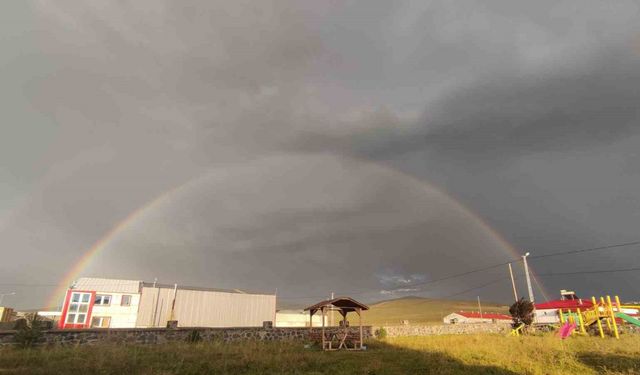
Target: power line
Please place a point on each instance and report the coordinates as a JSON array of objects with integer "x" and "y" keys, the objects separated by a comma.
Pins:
[
  {"x": 584, "y": 250},
  {"x": 517, "y": 260},
  {"x": 451, "y": 276},
  {"x": 370, "y": 291},
  {"x": 474, "y": 288},
  {"x": 589, "y": 272}
]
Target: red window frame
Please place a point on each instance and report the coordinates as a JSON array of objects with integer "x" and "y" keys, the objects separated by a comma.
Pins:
[{"x": 62, "y": 324}]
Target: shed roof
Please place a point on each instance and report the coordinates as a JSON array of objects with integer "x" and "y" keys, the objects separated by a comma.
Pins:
[
  {"x": 135, "y": 286},
  {"x": 346, "y": 304},
  {"x": 565, "y": 304},
  {"x": 202, "y": 289}
]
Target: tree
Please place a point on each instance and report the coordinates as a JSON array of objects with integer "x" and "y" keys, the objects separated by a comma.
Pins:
[{"x": 521, "y": 312}]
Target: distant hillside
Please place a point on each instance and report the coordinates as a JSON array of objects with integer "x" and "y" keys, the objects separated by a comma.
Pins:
[{"x": 419, "y": 310}]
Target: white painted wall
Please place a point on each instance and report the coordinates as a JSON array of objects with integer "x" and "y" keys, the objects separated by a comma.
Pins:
[
  {"x": 298, "y": 319},
  {"x": 547, "y": 316},
  {"x": 463, "y": 319},
  {"x": 121, "y": 316},
  {"x": 204, "y": 308}
]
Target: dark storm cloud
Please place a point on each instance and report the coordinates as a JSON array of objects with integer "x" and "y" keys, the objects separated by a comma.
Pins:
[
  {"x": 505, "y": 116},
  {"x": 546, "y": 158}
]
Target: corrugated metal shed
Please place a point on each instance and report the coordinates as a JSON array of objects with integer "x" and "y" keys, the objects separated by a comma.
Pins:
[
  {"x": 204, "y": 308},
  {"x": 108, "y": 285}
]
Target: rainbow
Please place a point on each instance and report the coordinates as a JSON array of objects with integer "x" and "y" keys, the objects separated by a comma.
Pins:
[{"x": 83, "y": 262}]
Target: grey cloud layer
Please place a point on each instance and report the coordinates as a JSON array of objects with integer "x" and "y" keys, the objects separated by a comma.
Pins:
[{"x": 512, "y": 108}]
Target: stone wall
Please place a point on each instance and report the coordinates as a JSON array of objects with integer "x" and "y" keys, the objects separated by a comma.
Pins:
[
  {"x": 164, "y": 335},
  {"x": 461, "y": 329},
  {"x": 447, "y": 329}
]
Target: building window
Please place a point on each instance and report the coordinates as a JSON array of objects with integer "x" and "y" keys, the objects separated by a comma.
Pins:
[
  {"x": 100, "y": 322},
  {"x": 102, "y": 300},
  {"x": 78, "y": 308},
  {"x": 126, "y": 300}
]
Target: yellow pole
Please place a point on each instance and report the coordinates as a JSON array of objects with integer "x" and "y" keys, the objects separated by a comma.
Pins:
[
  {"x": 571, "y": 318},
  {"x": 613, "y": 318},
  {"x": 561, "y": 316},
  {"x": 606, "y": 314},
  {"x": 581, "y": 320},
  {"x": 595, "y": 306},
  {"x": 618, "y": 305}
]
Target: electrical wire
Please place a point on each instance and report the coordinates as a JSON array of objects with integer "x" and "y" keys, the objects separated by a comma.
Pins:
[{"x": 606, "y": 247}]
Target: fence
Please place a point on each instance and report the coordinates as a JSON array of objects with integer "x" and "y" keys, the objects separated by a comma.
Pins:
[{"x": 165, "y": 335}]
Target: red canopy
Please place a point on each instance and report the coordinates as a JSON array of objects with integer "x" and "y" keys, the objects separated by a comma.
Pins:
[{"x": 565, "y": 304}]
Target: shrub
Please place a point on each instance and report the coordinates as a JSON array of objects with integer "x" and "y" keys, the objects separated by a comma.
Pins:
[
  {"x": 381, "y": 333},
  {"x": 29, "y": 331},
  {"x": 521, "y": 312},
  {"x": 194, "y": 336}
]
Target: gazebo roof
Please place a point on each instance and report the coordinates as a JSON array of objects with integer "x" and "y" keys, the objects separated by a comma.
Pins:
[{"x": 345, "y": 304}]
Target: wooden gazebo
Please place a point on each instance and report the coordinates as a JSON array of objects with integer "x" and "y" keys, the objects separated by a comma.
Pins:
[{"x": 343, "y": 305}]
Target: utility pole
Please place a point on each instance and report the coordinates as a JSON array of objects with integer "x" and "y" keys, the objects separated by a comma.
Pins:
[
  {"x": 526, "y": 272},
  {"x": 173, "y": 304},
  {"x": 479, "y": 307},
  {"x": 513, "y": 283},
  {"x": 275, "y": 311}
]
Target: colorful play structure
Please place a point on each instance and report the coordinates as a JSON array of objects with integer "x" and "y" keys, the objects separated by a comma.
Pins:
[
  {"x": 573, "y": 315},
  {"x": 578, "y": 316},
  {"x": 598, "y": 312}
]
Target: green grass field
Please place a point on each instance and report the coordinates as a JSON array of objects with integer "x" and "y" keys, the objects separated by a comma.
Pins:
[
  {"x": 421, "y": 310},
  {"x": 474, "y": 354}
]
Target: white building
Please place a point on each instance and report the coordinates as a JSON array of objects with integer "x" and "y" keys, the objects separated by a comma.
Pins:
[
  {"x": 296, "y": 318},
  {"x": 112, "y": 303},
  {"x": 475, "y": 317}
]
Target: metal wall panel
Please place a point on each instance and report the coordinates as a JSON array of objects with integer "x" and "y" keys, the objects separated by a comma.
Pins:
[
  {"x": 107, "y": 285},
  {"x": 196, "y": 308}
]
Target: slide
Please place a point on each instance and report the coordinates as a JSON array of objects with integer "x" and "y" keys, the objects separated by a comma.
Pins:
[
  {"x": 628, "y": 319},
  {"x": 566, "y": 330}
]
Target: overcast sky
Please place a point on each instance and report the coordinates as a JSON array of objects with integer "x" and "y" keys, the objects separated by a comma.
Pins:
[{"x": 309, "y": 147}]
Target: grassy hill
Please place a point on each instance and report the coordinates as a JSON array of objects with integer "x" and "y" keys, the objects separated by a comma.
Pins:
[{"x": 419, "y": 310}]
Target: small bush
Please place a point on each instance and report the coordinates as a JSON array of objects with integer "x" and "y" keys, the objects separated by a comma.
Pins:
[
  {"x": 29, "y": 331},
  {"x": 381, "y": 333},
  {"x": 194, "y": 336}
]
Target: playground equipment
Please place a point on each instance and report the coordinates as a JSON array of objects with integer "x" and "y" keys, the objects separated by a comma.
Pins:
[
  {"x": 599, "y": 311},
  {"x": 566, "y": 330},
  {"x": 518, "y": 330}
]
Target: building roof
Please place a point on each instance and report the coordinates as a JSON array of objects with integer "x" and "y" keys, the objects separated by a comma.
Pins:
[
  {"x": 107, "y": 285},
  {"x": 346, "y": 304},
  {"x": 564, "y": 304},
  {"x": 203, "y": 289},
  {"x": 135, "y": 286},
  {"x": 477, "y": 315}
]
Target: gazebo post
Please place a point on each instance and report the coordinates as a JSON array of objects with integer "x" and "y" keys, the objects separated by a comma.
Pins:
[
  {"x": 310, "y": 319},
  {"x": 322, "y": 310},
  {"x": 359, "y": 310}
]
